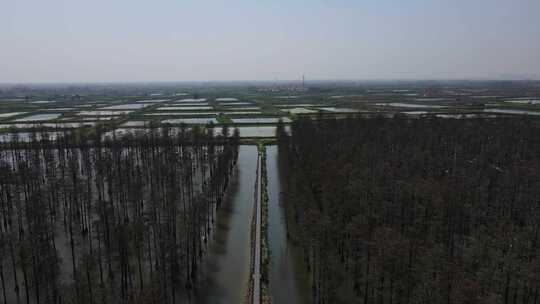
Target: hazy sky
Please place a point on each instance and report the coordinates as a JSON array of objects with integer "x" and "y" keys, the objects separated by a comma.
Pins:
[{"x": 144, "y": 40}]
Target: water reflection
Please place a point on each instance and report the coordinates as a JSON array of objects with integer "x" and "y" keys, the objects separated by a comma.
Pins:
[
  {"x": 288, "y": 281},
  {"x": 226, "y": 271}
]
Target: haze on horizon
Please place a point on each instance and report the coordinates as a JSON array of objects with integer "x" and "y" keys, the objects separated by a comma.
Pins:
[{"x": 199, "y": 40}]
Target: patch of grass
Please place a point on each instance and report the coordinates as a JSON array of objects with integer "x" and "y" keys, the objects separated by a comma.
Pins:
[{"x": 224, "y": 119}]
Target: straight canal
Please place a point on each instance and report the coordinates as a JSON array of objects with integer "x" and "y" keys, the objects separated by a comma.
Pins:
[
  {"x": 226, "y": 272},
  {"x": 289, "y": 282},
  {"x": 227, "y": 269}
]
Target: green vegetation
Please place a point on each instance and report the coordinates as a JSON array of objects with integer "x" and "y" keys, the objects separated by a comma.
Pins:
[
  {"x": 455, "y": 98},
  {"x": 223, "y": 118},
  {"x": 265, "y": 251}
]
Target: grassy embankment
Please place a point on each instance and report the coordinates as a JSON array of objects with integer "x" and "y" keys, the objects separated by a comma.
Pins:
[{"x": 265, "y": 251}]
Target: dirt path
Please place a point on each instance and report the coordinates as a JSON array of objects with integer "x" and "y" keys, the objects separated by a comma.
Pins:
[{"x": 257, "y": 260}]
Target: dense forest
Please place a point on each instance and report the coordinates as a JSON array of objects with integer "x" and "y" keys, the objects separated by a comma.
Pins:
[
  {"x": 424, "y": 210},
  {"x": 94, "y": 219}
]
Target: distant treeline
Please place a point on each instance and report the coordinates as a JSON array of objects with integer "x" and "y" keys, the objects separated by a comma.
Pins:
[
  {"x": 88, "y": 220},
  {"x": 416, "y": 211}
]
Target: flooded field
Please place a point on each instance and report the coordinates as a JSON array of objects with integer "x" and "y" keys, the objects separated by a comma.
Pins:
[
  {"x": 485, "y": 96},
  {"x": 186, "y": 108},
  {"x": 299, "y": 111},
  {"x": 135, "y": 123},
  {"x": 11, "y": 99},
  {"x": 297, "y": 105},
  {"x": 343, "y": 96},
  {"x": 286, "y": 97},
  {"x": 338, "y": 110},
  {"x": 462, "y": 116},
  {"x": 257, "y": 131},
  {"x": 132, "y": 106},
  {"x": 99, "y": 118},
  {"x": 415, "y": 112},
  {"x": 187, "y": 104},
  {"x": 180, "y": 113},
  {"x": 190, "y": 120},
  {"x": 256, "y": 120},
  {"x": 408, "y": 105},
  {"x": 103, "y": 113},
  {"x": 8, "y": 115},
  {"x": 225, "y": 104},
  {"x": 524, "y": 101},
  {"x": 510, "y": 111},
  {"x": 244, "y": 108},
  {"x": 61, "y": 125},
  {"x": 60, "y": 109},
  {"x": 429, "y": 99},
  {"x": 43, "y": 101},
  {"x": 40, "y": 117},
  {"x": 242, "y": 112},
  {"x": 152, "y": 100},
  {"x": 191, "y": 100}
]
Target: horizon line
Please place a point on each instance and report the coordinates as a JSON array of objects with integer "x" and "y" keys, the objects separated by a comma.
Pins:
[{"x": 321, "y": 80}]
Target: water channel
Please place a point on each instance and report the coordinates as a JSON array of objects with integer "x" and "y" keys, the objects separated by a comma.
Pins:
[
  {"x": 289, "y": 283},
  {"x": 226, "y": 271}
]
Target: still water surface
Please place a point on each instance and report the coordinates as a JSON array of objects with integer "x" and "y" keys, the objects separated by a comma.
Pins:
[
  {"x": 227, "y": 269},
  {"x": 288, "y": 280}
]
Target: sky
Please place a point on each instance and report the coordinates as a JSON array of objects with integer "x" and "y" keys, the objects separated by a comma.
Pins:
[{"x": 224, "y": 40}]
